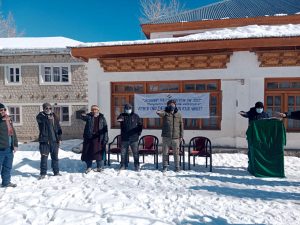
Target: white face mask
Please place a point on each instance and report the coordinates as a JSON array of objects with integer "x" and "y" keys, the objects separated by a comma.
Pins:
[
  {"x": 128, "y": 111},
  {"x": 259, "y": 110}
]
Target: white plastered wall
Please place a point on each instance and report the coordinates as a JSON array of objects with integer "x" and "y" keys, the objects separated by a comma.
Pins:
[{"x": 242, "y": 84}]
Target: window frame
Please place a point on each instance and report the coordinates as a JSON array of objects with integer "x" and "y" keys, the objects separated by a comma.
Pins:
[
  {"x": 181, "y": 84},
  {"x": 284, "y": 93},
  {"x": 20, "y": 113},
  {"x": 53, "y": 67},
  {"x": 7, "y": 69}
]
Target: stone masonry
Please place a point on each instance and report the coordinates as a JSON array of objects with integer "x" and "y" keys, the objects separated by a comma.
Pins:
[{"x": 30, "y": 95}]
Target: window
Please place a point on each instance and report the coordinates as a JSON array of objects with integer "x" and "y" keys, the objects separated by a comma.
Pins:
[
  {"x": 282, "y": 95},
  {"x": 124, "y": 92},
  {"x": 55, "y": 74},
  {"x": 62, "y": 112},
  {"x": 15, "y": 114},
  {"x": 13, "y": 75}
]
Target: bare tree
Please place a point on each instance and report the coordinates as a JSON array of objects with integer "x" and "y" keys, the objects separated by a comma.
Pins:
[
  {"x": 156, "y": 9},
  {"x": 8, "y": 26}
]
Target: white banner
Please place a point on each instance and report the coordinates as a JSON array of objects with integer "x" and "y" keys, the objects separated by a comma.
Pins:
[{"x": 190, "y": 105}]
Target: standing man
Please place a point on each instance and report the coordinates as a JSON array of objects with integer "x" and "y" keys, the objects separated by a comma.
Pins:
[
  {"x": 131, "y": 129},
  {"x": 49, "y": 139},
  {"x": 95, "y": 138},
  {"x": 255, "y": 113},
  {"x": 172, "y": 133},
  {"x": 8, "y": 146}
]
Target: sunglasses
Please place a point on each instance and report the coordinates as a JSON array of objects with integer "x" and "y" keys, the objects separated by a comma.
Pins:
[
  {"x": 2, "y": 110},
  {"x": 48, "y": 108}
]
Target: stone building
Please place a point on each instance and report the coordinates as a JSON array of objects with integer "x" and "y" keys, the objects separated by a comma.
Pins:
[{"x": 38, "y": 70}]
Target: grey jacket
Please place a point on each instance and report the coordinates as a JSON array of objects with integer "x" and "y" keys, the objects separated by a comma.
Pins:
[{"x": 172, "y": 126}]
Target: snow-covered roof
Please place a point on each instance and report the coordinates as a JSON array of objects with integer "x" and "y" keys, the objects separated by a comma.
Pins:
[
  {"x": 251, "y": 31},
  {"x": 36, "y": 45},
  {"x": 235, "y": 9}
]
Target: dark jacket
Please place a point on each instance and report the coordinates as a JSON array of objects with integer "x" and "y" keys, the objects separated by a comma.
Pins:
[
  {"x": 45, "y": 135},
  {"x": 102, "y": 133},
  {"x": 131, "y": 126},
  {"x": 172, "y": 124},
  {"x": 253, "y": 115},
  {"x": 4, "y": 139},
  {"x": 293, "y": 115}
]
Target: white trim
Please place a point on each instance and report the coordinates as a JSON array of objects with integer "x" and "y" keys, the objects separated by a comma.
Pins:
[
  {"x": 41, "y": 103},
  {"x": 21, "y": 114},
  {"x": 7, "y": 74},
  {"x": 46, "y": 63},
  {"x": 52, "y": 65}
]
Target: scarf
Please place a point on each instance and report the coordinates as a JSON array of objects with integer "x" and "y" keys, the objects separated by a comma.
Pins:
[{"x": 10, "y": 130}]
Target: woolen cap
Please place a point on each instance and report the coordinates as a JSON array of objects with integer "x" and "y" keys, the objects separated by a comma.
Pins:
[
  {"x": 259, "y": 105},
  {"x": 46, "y": 105},
  {"x": 127, "y": 106},
  {"x": 171, "y": 101},
  {"x": 2, "y": 106}
]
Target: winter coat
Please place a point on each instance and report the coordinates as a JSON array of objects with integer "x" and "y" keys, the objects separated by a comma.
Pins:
[
  {"x": 101, "y": 134},
  {"x": 45, "y": 126},
  {"x": 293, "y": 115},
  {"x": 95, "y": 137},
  {"x": 253, "y": 115},
  {"x": 131, "y": 126},
  {"x": 172, "y": 126},
  {"x": 4, "y": 138}
]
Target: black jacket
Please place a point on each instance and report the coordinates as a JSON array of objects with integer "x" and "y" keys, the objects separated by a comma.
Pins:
[
  {"x": 253, "y": 115},
  {"x": 293, "y": 115},
  {"x": 131, "y": 126},
  {"x": 102, "y": 133},
  {"x": 45, "y": 135},
  {"x": 4, "y": 139}
]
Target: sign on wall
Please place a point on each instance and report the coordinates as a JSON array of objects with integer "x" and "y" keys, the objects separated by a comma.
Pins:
[{"x": 191, "y": 105}]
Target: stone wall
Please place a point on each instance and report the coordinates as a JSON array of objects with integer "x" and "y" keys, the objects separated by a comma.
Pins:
[{"x": 30, "y": 95}]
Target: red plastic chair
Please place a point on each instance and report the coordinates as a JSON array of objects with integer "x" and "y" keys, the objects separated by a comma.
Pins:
[
  {"x": 201, "y": 147},
  {"x": 148, "y": 145},
  {"x": 181, "y": 153},
  {"x": 114, "y": 147}
]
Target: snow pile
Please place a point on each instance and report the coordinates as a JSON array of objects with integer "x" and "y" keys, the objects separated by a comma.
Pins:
[
  {"x": 251, "y": 31},
  {"x": 228, "y": 195}
]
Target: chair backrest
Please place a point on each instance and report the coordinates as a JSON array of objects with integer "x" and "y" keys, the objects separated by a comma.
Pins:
[
  {"x": 200, "y": 144},
  {"x": 149, "y": 142},
  {"x": 116, "y": 141}
]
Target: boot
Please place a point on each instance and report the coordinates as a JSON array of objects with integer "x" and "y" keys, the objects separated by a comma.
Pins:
[{"x": 9, "y": 185}]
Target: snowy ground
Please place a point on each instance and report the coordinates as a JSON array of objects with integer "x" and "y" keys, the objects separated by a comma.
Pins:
[{"x": 228, "y": 195}]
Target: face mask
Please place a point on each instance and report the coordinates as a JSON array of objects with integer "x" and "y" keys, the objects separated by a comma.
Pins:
[
  {"x": 48, "y": 112},
  {"x": 128, "y": 111},
  {"x": 259, "y": 110},
  {"x": 171, "y": 107}
]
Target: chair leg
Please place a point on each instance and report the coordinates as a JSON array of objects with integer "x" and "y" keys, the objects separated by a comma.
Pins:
[
  {"x": 194, "y": 160},
  {"x": 118, "y": 157},
  {"x": 143, "y": 158},
  {"x": 183, "y": 161},
  {"x": 189, "y": 161},
  {"x": 168, "y": 159},
  {"x": 210, "y": 169},
  {"x": 180, "y": 160},
  {"x": 206, "y": 161}
]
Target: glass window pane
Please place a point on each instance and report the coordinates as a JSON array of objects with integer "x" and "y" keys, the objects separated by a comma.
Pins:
[
  {"x": 56, "y": 74},
  {"x": 47, "y": 71},
  {"x": 277, "y": 100},
  {"x": 213, "y": 100},
  {"x": 297, "y": 100},
  {"x": 269, "y": 100},
  {"x": 272, "y": 85},
  {"x": 189, "y": 87},
  {"x": 11, "y": 71},
  {"x": 65, "y": 118},
  {"x": 284, "y": 85},
  {"x": 12, "y": 78},
  {"x": 200, "y": 87},
  {"x": 17, "y": 119},
  {"x": 17, "y": 110},
  {"x": 291, "y": 101},
  {"x": 12, "y": 110},
  {"x": 212, "y": 86},
  {"x": 65, "y": 109},
  {"x": 17, "y": 71},
  {"x": 213, "y": 111},
  {"x": 65, "y": 74},
  {"x": 139, "y": 88},
  {"x": 153, "y": 87}
]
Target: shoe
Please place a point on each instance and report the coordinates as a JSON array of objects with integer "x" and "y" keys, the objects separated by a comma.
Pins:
[
  {"x": 177, "y": 169},
  {"x": 122, "y": 167},
  {"x": 57, "y": 174},
  {"x": 41, "y": 177},
  {"x": 9, "y": 185},
  {"x": 98, "y": 170},
  {"x": 88, "y": 170},
  {"x": 137, "y": 169},
  {"x": 165, "y": 169}
]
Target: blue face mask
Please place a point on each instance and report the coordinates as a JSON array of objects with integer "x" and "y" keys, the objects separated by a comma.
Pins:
[
  {"x": 128, "y": 111},
  {"x": 259, "y": 110},
  {"x": 171, "y": 107}
]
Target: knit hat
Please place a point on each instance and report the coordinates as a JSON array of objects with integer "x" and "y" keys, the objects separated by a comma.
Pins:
[
  {"x": 259, "y": 105},
  {"x": 171, "y": 101},
  {"x": 46, "y": 105},
  {"x": 95, "y": 107},
  {"x": 2, "y": 106},
  {"x": 127, "y": 106}
]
